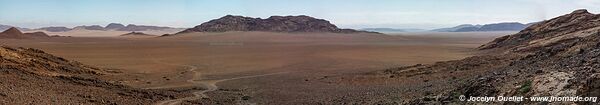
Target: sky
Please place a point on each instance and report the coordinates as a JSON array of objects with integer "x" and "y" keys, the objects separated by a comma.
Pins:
[{"x": 423, "y": 14}]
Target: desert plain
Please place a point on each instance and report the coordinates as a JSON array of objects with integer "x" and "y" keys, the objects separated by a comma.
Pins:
[{"x": 265, "y": 67}]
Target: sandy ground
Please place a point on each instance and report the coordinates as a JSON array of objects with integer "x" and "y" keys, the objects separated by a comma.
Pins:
[{"x": 261, "y": 67}]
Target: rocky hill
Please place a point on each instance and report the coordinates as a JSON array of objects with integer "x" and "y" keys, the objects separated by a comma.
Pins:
[
  {"x": 31, "y": 76},
  {"x": 14, "y": 33},
  {"x": 271, "y": 24},
  {"x": 557, "y": 57},
  {"x": 577, "y": 24}
]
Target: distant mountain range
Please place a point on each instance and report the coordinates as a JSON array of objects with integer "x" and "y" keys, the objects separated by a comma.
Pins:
[
  {"x": 109, "y": 27},
  {"x": 114, "y": 27},
  {"x": 14, "y": 33},
  {"x": 239, "y": 23},
  {"x": 507, "y": 26},
  {"x": 6, "y": 27},
  {"x": 392, "y": 30}
]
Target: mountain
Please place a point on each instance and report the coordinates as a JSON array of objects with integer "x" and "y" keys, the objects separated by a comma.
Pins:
[
  {"x": 55, "y": 29},
  {"x": 391, "y": 30},
  {"x": 92, "y": 27},
  {"x": 453, "y": 29},
  {"x": 507, "y": 26},
  {"x": 5, "y": 27},
  {"x": 14, "y": 33},
  {"x": 556, "y": 57},
  {"x": 133, "y": 27},
  {"x": 511, "y": 26},
  {"x": 33, "y": 76},
  {"x": 114, "y": 26},
  {"x": 272, "y": 24}
]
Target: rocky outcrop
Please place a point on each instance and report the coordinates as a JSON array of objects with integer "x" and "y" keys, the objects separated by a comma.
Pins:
[{"x": 271, "y": 24}]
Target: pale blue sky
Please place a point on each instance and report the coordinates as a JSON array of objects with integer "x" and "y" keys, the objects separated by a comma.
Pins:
[{"x": 425, "y": 14}]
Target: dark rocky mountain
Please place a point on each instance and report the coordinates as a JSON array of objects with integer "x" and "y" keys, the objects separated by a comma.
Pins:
[
  {"x": 271, "y": 24},
  {"x": 33, "y": 76},
  {"x": 133, "y": 27},
  {"x": 556, "y": 57},
  {"x": 114, "y": 26},
  {"x": 14, "y": 33},
  {"x": 55, "y": 29}
]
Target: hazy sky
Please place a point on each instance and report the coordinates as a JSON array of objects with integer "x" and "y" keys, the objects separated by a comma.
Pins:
[{"x": 344, "y": 13}]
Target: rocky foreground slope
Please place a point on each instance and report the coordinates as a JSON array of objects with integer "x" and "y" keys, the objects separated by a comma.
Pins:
[
  {"x": 557, "y": 57},
  {"x": 31, "y": 76},
  {"x": 271, "y": 24}
]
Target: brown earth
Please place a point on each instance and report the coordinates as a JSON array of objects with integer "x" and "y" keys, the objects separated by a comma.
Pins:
[{"x": 262, "y": 67}]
